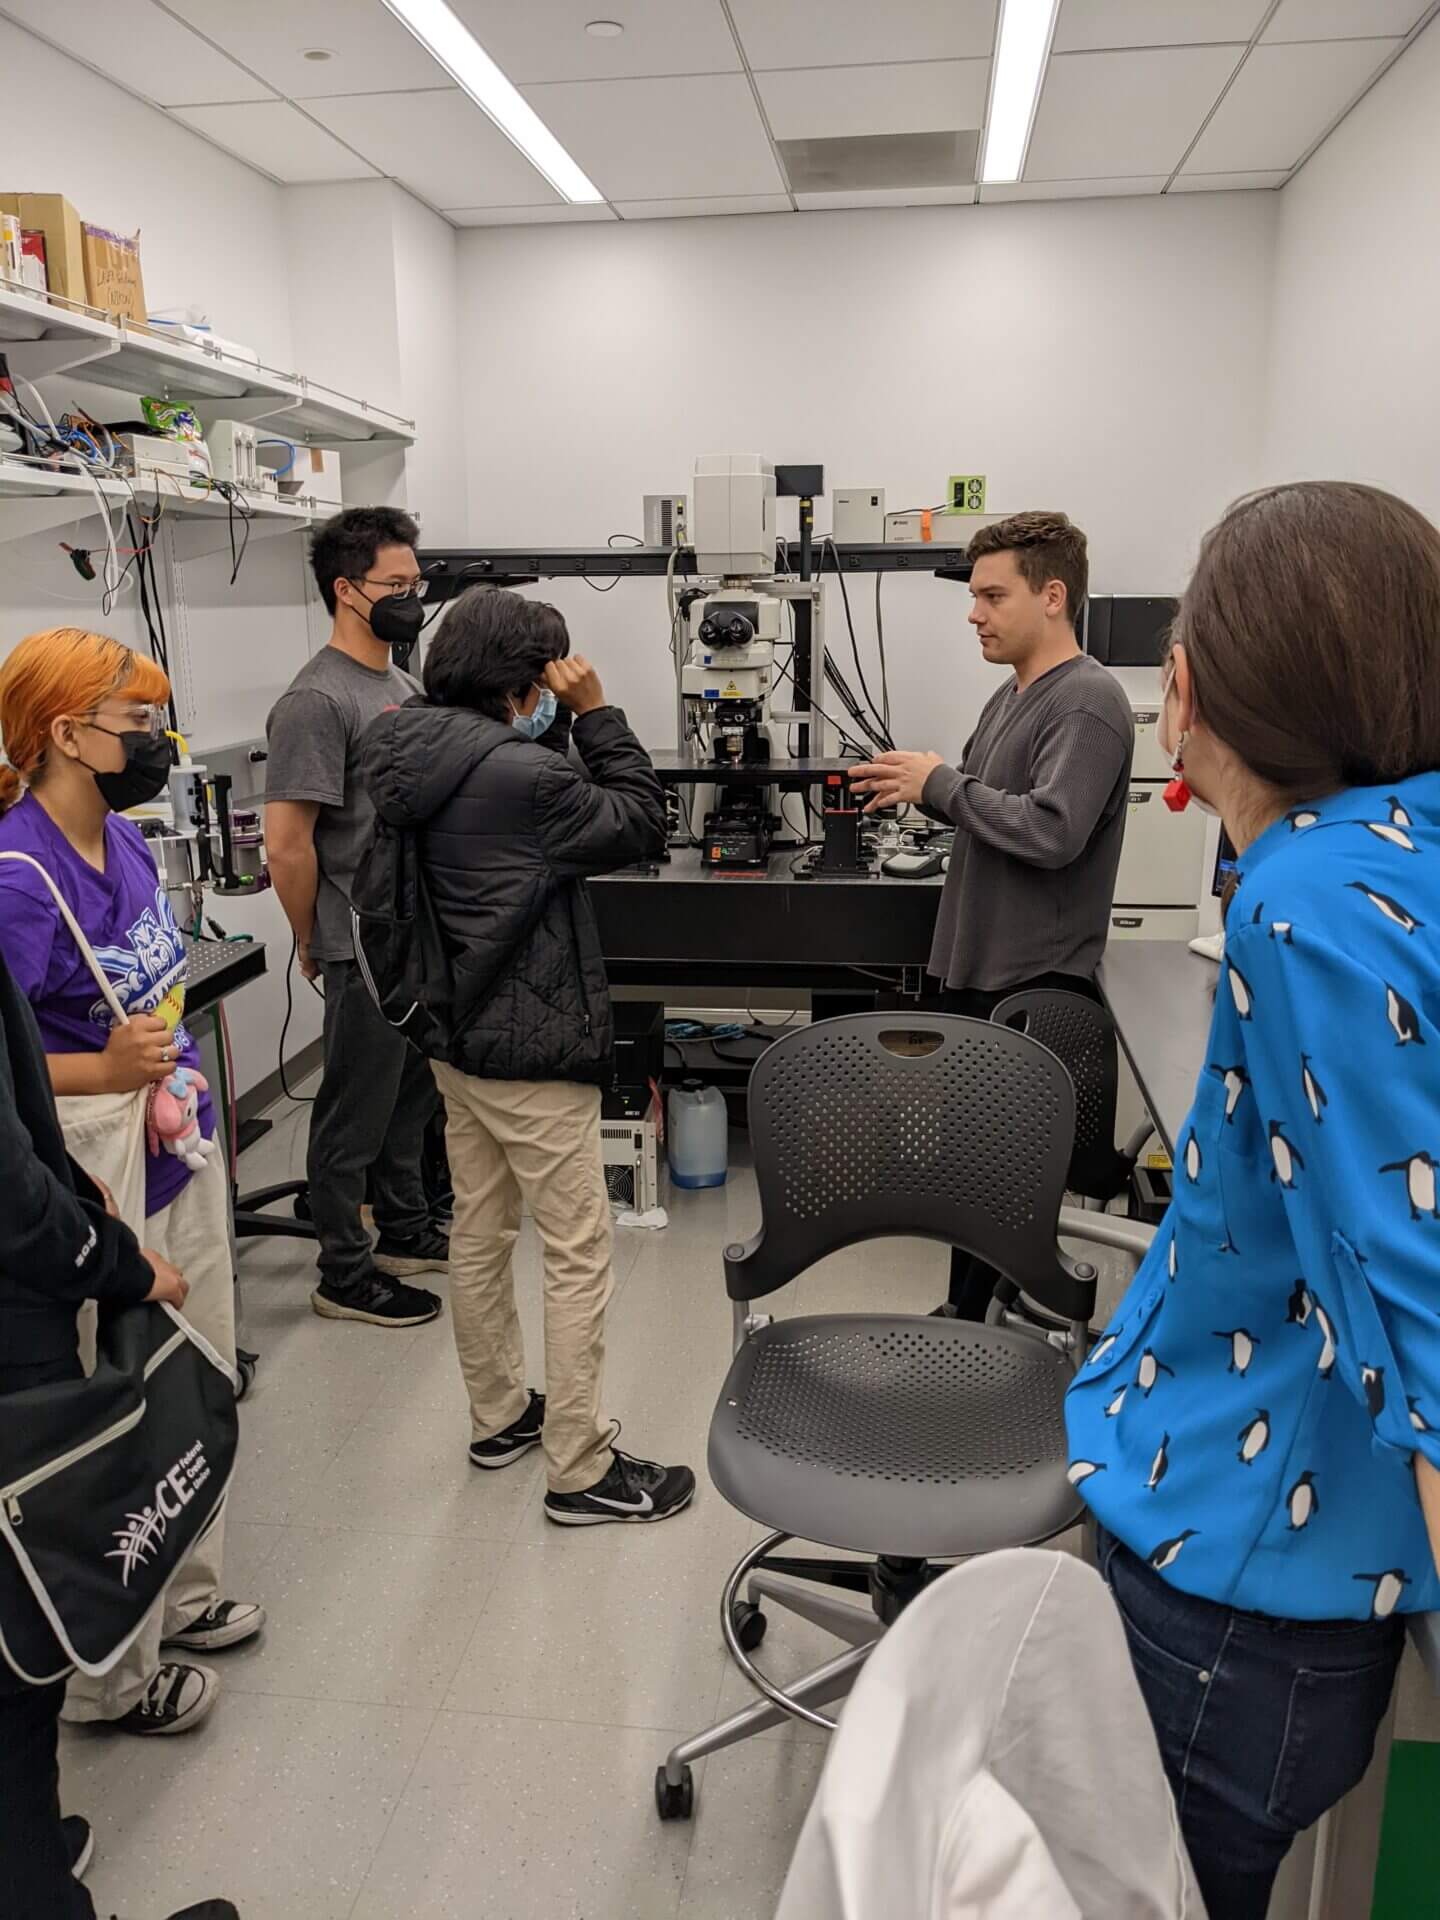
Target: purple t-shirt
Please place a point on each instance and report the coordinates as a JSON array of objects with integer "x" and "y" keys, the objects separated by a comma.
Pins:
[{"x": 128, "y": 921}]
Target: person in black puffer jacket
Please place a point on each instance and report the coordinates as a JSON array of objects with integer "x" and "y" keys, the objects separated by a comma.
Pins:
[
  {"x": 508, "y": 831},
  {"x": 61, "y": 1243}
]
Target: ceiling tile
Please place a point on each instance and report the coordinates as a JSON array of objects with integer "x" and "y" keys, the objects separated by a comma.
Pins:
[
  {"x": 887, "y": 197},
  {"x": 371, "y": 51},
  {"x": 273, "y": 135},
  {"x": 797, "y": 33},
  {"x": 1086, "y": 25},
  {"x": 133, "y": 42},
  {"x": 1076, "y": 189},
  {"x": 1106, "y": 114},
  {"x": 1283, "y": 99},
  {"x": 650, "y": 139},
  {"x": 694, "y": 209},
  {"x": 525, "y": 216},
  {"x": 546, "y": 39},
  {"x": 441, "y": 145},
  {"x": 925, "y": 97},
  {"x": 1342, "y": 19},
  {"x": 1227, "y": 182}
]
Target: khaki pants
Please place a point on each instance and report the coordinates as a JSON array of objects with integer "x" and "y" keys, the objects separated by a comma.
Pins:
[
  {"x": 193, "y": 1233},
  {"x": 536, "y": 1141}
]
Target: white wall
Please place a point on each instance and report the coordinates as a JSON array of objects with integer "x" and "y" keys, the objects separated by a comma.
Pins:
[
  {"x": 208, "y": 225},
  {"x": 1105, "y": 357},
  {"x": 432, "y": 367},
  {"x": 1354, "y": 381}
]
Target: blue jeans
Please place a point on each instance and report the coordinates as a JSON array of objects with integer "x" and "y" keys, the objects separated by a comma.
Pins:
[{"x": 1263, "y": 1724}]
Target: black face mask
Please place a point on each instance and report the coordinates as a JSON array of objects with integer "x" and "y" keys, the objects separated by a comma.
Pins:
[
  {"x": 143, "y": 776},
  {"x": 397, "y": 622}
]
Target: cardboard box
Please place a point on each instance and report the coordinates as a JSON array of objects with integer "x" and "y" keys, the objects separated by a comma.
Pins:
[
  {"x": 34, "y": 270},
  {"x": 112, "y": 272},
  {"x": 10, "y": 246},
  {"x": 53, "y": 215}
]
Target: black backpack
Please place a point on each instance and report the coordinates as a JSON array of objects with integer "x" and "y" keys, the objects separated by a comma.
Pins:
[{"x": 400, "y": 944}]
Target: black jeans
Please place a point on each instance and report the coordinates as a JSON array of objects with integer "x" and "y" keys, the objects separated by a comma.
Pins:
[
  {"x": 972, "y": 1282},
  {"x": 376, "y": 1099},
  {"x": 35, "y": 1878},
  {"x": 1264, "y": 1724}
]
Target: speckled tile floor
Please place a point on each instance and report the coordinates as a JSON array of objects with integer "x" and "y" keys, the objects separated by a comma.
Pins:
[{"x": 456, "y": 1710}]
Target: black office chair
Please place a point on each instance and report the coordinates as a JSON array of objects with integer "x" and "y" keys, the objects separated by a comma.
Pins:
[
  {"x": 900, "y": 1436},
  {"x": 1082, "y": 1034},
  {"x": 252, "y": 1222}
]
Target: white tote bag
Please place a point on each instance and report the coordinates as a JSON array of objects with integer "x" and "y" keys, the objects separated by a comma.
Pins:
[{"x": 104, "y": 1132}]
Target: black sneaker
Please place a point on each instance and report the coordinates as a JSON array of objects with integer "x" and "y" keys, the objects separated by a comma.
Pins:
[
  {"x": 79, "y": 1844},
  {"x": 209, "y": 1910},
  {"x": 177, "y": 1699},
  {"x": 631, "y": 1490},
  {"x": 947, "y": 1310},
  {"x": 512, "y": 1441},
  {"x": 427, "y": 1252},
  {"x": 377, "y": 1300},
  {"x": 228, "y": 1623}
]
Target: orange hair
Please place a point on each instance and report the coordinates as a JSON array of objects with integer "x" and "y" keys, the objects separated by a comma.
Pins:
[{"x": 62, "y": 671}]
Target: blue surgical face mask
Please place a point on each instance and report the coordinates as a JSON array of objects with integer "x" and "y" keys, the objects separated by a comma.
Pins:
[{"x": 532, "y": 725}]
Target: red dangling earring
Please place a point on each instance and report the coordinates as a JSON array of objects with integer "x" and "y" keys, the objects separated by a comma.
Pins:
[{"x": 1177, "y": 793}]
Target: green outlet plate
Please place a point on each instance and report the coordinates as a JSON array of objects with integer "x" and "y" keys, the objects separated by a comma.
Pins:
[{"x": 966, "y": 493}]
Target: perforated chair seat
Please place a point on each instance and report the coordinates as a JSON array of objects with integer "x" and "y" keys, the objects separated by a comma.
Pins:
[{"x": 892, "y": 1434}]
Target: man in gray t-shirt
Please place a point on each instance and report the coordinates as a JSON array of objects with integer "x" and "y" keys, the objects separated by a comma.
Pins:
[
  {"x": 1037, "y": 803},
  {"x": 376, "y": 1094}
]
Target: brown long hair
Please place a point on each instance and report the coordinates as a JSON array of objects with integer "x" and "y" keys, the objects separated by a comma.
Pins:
[{"x": 1312, "y": 628}]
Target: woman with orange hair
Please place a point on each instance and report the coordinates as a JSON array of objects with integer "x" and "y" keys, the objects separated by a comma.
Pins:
[{"x": 82, "y": 721}]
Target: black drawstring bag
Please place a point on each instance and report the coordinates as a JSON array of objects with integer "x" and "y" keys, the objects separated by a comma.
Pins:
[{"x": 105, "y": 1486}]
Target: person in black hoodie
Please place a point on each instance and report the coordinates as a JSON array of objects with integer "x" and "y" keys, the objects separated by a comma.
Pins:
[
  {"x": 60, "y": 1244},
  {"x": 508, "y": 830}
]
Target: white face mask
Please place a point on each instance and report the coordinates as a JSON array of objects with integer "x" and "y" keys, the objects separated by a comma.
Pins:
[{"x": 1163, "y": 727}]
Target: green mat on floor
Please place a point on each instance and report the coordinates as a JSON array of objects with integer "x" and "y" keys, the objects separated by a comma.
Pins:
[{"x": 1407, "y": 1881}]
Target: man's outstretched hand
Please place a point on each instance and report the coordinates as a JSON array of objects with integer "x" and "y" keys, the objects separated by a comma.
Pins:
[{"x": 895, "y": 779}]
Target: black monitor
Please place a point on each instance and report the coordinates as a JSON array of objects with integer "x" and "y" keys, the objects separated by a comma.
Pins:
[
  {"x": 1128, "y": 629},
  {"x": 1226, "y": 863}
]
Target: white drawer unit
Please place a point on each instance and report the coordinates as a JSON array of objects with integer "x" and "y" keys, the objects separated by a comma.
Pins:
[
  {"x": 1163, "y": 852},
  {"x": 1150, "y": 762},
  {"x": 1154, "y": 923}
]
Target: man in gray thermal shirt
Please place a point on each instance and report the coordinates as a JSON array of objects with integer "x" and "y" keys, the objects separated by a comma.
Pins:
[{"x": 1037, "y": 802}]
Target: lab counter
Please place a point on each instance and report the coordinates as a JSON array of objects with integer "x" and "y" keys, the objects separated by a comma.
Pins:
[{"x": 676, "y": 923}]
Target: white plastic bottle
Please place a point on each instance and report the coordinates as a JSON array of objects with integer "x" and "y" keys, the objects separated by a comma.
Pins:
[{"x": 698, "y": 1135}]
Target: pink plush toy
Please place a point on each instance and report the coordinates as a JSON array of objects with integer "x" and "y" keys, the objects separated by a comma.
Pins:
[{"x": 172, "y": 1118}]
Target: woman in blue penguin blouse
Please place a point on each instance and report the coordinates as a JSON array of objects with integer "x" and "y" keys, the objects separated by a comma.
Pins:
[{"x": 1257, "y": 1430}]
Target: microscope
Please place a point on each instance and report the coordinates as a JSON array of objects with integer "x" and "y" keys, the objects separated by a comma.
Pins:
[{"x": 728, "y": 672}]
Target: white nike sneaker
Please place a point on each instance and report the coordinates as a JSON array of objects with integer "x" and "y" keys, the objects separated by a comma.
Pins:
[{"x": 632, "y": 1490}]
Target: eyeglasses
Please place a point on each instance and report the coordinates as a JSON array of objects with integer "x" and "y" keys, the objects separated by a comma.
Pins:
[
  {"x": 415, "y": 590},
  {"x": 136, "y": 719}
]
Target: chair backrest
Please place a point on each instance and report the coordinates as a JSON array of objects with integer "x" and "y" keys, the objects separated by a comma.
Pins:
[
  {"x": 996, "y": 1756},
  {"x": 883, "y": 1124},
  {"x": 1082, "y": 1034}
]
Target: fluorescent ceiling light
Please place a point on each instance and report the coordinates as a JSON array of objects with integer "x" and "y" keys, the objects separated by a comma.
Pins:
[
  {"x": 1020, "y": 56},
  {"x": 447, "y": 40}
]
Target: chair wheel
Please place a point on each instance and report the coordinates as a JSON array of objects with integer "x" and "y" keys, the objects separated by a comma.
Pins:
[
  {"x": 672, "y": 1802},
  {"x": 750, "y": 1624},
  {"x": 245, "y": 1367}
]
